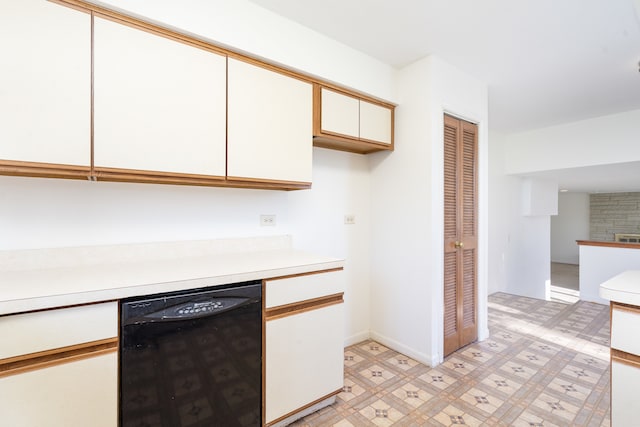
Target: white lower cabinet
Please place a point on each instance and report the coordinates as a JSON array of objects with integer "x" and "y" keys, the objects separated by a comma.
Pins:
[
  {"x": 624, "y": 394},
  {"x": 75, "y": 394},
  {"x": 303, "y": 346},
  {"x": 59, "y": 368},
  {"x": 302, "y": 362},
  {"x": 625, "y": 364}
]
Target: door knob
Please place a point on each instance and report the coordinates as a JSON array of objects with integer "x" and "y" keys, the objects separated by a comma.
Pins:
[{"x": 459, "y": 245}]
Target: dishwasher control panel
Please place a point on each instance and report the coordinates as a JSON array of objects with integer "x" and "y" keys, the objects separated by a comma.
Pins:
[{"x": 199, "y": 307}]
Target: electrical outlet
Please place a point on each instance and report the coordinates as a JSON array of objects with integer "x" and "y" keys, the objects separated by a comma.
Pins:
[
  {"x": 267, "y": 220},
  {"x": 350, "y": 219}
]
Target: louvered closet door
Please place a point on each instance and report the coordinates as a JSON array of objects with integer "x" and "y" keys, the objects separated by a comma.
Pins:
[{"x": 460, "y": 233}]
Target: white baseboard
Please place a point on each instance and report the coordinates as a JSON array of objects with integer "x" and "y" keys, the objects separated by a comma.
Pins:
[
  {"x": 310, "y": 410},
  {"x": 430, "y": 360},
  {"x": 356, "y": 338},
  {"x": 483, "y": 334}
]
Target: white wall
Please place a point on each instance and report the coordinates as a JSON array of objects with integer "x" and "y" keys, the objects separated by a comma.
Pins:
[
  {"x": 341, "y": 185},
  {"x": 38, "y": 213},
  {"x": 599, "y": 141},
  {"x": 529, "y": 261},
  {"x": 602, "y": 140},
  {"x": 571, "y": 224},
  {"x": 245, "y": 27},
  {"x": 519, "y": 257},
  {"x": 599, "y": 264},
  {"x": 539, "y": 197},
  {"x": 498, "y": 215},
  {"x": 407, "y": 209}
]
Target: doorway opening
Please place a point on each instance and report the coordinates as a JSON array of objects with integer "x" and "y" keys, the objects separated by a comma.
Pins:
[{"x": 565, "y": 282}]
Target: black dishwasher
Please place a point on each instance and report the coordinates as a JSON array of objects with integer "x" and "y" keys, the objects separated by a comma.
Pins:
[{"x": 192, "y": 358}]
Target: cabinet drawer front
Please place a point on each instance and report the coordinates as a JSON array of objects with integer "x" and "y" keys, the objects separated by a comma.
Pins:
[
  {"x": 301, "y": 288},
  {"x": 46, "y": 330},
  {"x": 625, "y": 325}
]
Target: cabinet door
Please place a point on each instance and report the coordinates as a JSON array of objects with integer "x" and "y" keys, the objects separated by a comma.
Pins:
[
  {"x": 304, "y": 359},
  {"x": 340, "y": 114},
  {"x": 159, "y": 104},
  {"x": 624, "y": 393},
  {"x": 75, "y": 394},
  {"x": 270, "y": 125},
  {"x": 375, "y": 122},
  {"x": 45, "y": 89}
]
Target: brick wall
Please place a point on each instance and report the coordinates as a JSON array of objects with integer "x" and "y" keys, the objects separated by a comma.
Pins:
[{"x": 614, "y": 213}]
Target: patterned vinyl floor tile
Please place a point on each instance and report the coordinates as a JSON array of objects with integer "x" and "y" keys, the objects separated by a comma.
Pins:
[{"x": 545, "y": 364}]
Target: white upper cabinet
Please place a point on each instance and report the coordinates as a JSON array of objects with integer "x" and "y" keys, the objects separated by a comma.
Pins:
[
  {"x": 269, "y": 125},
  {"x": 340, "y": 114},
  {"x": 375, "y": 123},
  {"x": 159, "y": 104},
  {"x": 45, "y": 89},
  {"x": 346, "y": 122}
]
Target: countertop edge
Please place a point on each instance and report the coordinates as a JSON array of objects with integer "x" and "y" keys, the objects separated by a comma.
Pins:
[
  {"x": 623, "y": 288},
  {"x": 59, "y": 297}
]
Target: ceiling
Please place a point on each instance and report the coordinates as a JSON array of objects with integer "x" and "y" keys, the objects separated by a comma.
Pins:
[
  {"x": 619, "y": 177},
  {"x": 546, "y": 62}
]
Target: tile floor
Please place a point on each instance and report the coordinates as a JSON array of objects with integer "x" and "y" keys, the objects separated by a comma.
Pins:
[
  {"x": 545, "y": 364},
  {"x": 565, "y": 282},
  {"x": 565, "y": 275}
]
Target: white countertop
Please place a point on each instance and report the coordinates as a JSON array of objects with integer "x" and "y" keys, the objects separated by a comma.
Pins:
[
  {"x": 623, "y": 288},
  {"x": 32, "y": 288}
]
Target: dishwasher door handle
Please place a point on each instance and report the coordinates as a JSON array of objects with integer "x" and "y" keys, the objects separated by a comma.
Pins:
[{"x": 194, "y": 309}]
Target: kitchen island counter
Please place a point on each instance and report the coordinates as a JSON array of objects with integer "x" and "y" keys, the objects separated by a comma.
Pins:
[{"x": 623, "y": 288}]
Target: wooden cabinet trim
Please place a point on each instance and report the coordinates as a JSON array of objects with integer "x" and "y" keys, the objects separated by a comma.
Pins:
[
  {"x": 44, "y": 170},
  {"x": 139, "y": 24},
  {"x": 57, "y": 356},
  {"x": 300, "y": 307},
  {"x": 608, "y": 244},
  {"x": 327, "y": 140},
  {"x": 349, "y": 145},
  {"x": 310, "y": 273},
  {"x": 154, "y": 177},
  {"x": 239, "y": 182},
  {"x": 336, "y": 141},
  {"x": 624, "y": 307},
  {"x": 625, "y": 358},
  {"x": 309, "y": 405},
  {"x": 188, "y": 39}
]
